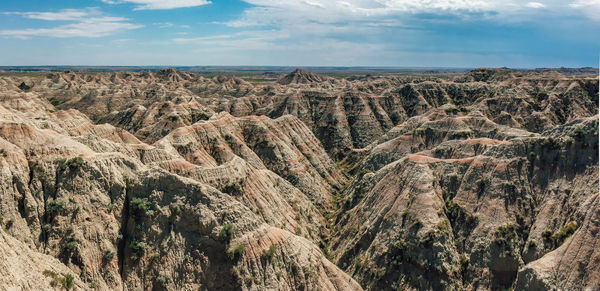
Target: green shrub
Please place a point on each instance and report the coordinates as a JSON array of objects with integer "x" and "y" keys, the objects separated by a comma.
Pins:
[
  {"x": 464, "y": 265},
  {"x": 139, "y": 206},
  {"x": 555, "y": 240},
  {"x": 565, "y": 232},
  {"x": 39, "y": 169},
  {"x": 175, "y": 209},
  {"x": 74, "y": 163},
  {"x": 396, "y": 251},
  {"x": 233, "y": 189},
  {"x": 235, "y": 253},
  {"x": 578, "y": 134},
  {"x": 547, "y": 237},
  {"x": 459, "y": 134},
  {"x": 268, "y": 254},
  {"x": 458, "y": 216},
  {"x": 137, "y": 248},
  {"x": 452, "y": 110},
  {"x": 109, "y": 254},
  {"x": 549, "y": 144},
  {"x": 71, "y": 246},
  {"x": 55, "y": 102},
  {"x": 55, "y": 207},
  {"x": 68, "y": 281},
  {"x": 161, "y": 280},
  {"x": 510, "y": 192},
  {"x": 481, "y": 186},
  {"x": 358, "y": 263},
  {"x": 200, "y": 116},
  {"x": 226, "y": 232},
  {"x": 506, "y": 235}
]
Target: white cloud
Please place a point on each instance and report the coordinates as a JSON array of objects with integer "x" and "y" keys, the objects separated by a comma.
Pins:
[
  {"x": 277, "y": 12},
  {"x": 591, "y": 8},
  {"x": 65, "y": 14},
  {"x": 535, "y": 5},
  {"x": 340, "y": 26},
  {"x": 85, "y": 23},
  {"x": 170, "y": 24},
  {"x": 164, "y": 24},
  {"x": 160, "y": 4}
]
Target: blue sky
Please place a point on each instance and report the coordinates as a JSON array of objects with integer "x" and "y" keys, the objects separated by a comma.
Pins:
[{"x": 410, "y": 33}]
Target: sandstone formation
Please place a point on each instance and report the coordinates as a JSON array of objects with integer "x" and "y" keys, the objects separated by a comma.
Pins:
[{"x": 169, "y": 180}]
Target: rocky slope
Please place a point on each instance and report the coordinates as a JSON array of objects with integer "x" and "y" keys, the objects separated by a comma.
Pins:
[{"x": 168, "y": 180}]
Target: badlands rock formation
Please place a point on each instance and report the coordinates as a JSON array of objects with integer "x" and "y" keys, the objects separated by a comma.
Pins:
[{"x": 168, "y": 180}]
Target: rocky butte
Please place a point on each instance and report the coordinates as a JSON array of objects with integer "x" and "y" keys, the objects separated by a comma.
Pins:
[{"x": 169, "y": 180}]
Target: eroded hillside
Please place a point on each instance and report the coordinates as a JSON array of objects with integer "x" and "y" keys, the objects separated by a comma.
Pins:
[{"x": 169, "y": 180}]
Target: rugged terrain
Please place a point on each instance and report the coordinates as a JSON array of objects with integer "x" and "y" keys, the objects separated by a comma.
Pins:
[{"x": 169, "y": 180}]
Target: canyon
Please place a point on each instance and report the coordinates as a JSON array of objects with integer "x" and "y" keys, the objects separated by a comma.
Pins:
[{"x": 172, "y": 180}]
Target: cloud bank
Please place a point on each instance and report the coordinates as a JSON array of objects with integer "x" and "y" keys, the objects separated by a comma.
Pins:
[
  {"x": 160, "y": 4},
  {"x": 90, "y": 23}
]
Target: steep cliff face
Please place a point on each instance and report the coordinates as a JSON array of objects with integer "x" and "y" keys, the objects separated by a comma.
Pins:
[
  {"x": 168, "y": 180},
  {"x": 470, "y": 213},
  {"x": 204, "y": 207}
]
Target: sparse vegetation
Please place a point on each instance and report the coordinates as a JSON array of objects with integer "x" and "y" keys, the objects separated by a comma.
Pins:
[
  {"x": 139, "y": 206},
  {"x": 161, "y": 280},
  {"x": 109, "y": 254},
  {"x": 137, "y": 249},
  {"x": 396, "y": 251},
  {"x": 67, "y": 281},
  {"x": 549, "y": 144},
  {"x": 481, "y": 185},
  {"x": 175, "y": 209},
  {"x": 71, "y": 246},
  {"x": 458, "y": 216},
  {"x": 506, "y": 236},
  {"x": 200, "y": 116},
  {"x": 55, "y": 207},
  {"x": 226, "y": 232},
  {"x": 235, "y": 253},
  {"x": 267, "y": 255},
  {"x": 459, "y": 134},
  {"x": 72, "y": 164},
  {"x": 233, "y": 189},
  {"x": 554, "y": 240},
  {"x": 464, "y": 266},
  {"x": 148, "y": 205}
]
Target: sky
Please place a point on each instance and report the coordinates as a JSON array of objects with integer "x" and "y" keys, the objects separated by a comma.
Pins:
[{"x": 395, "y": 33}]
